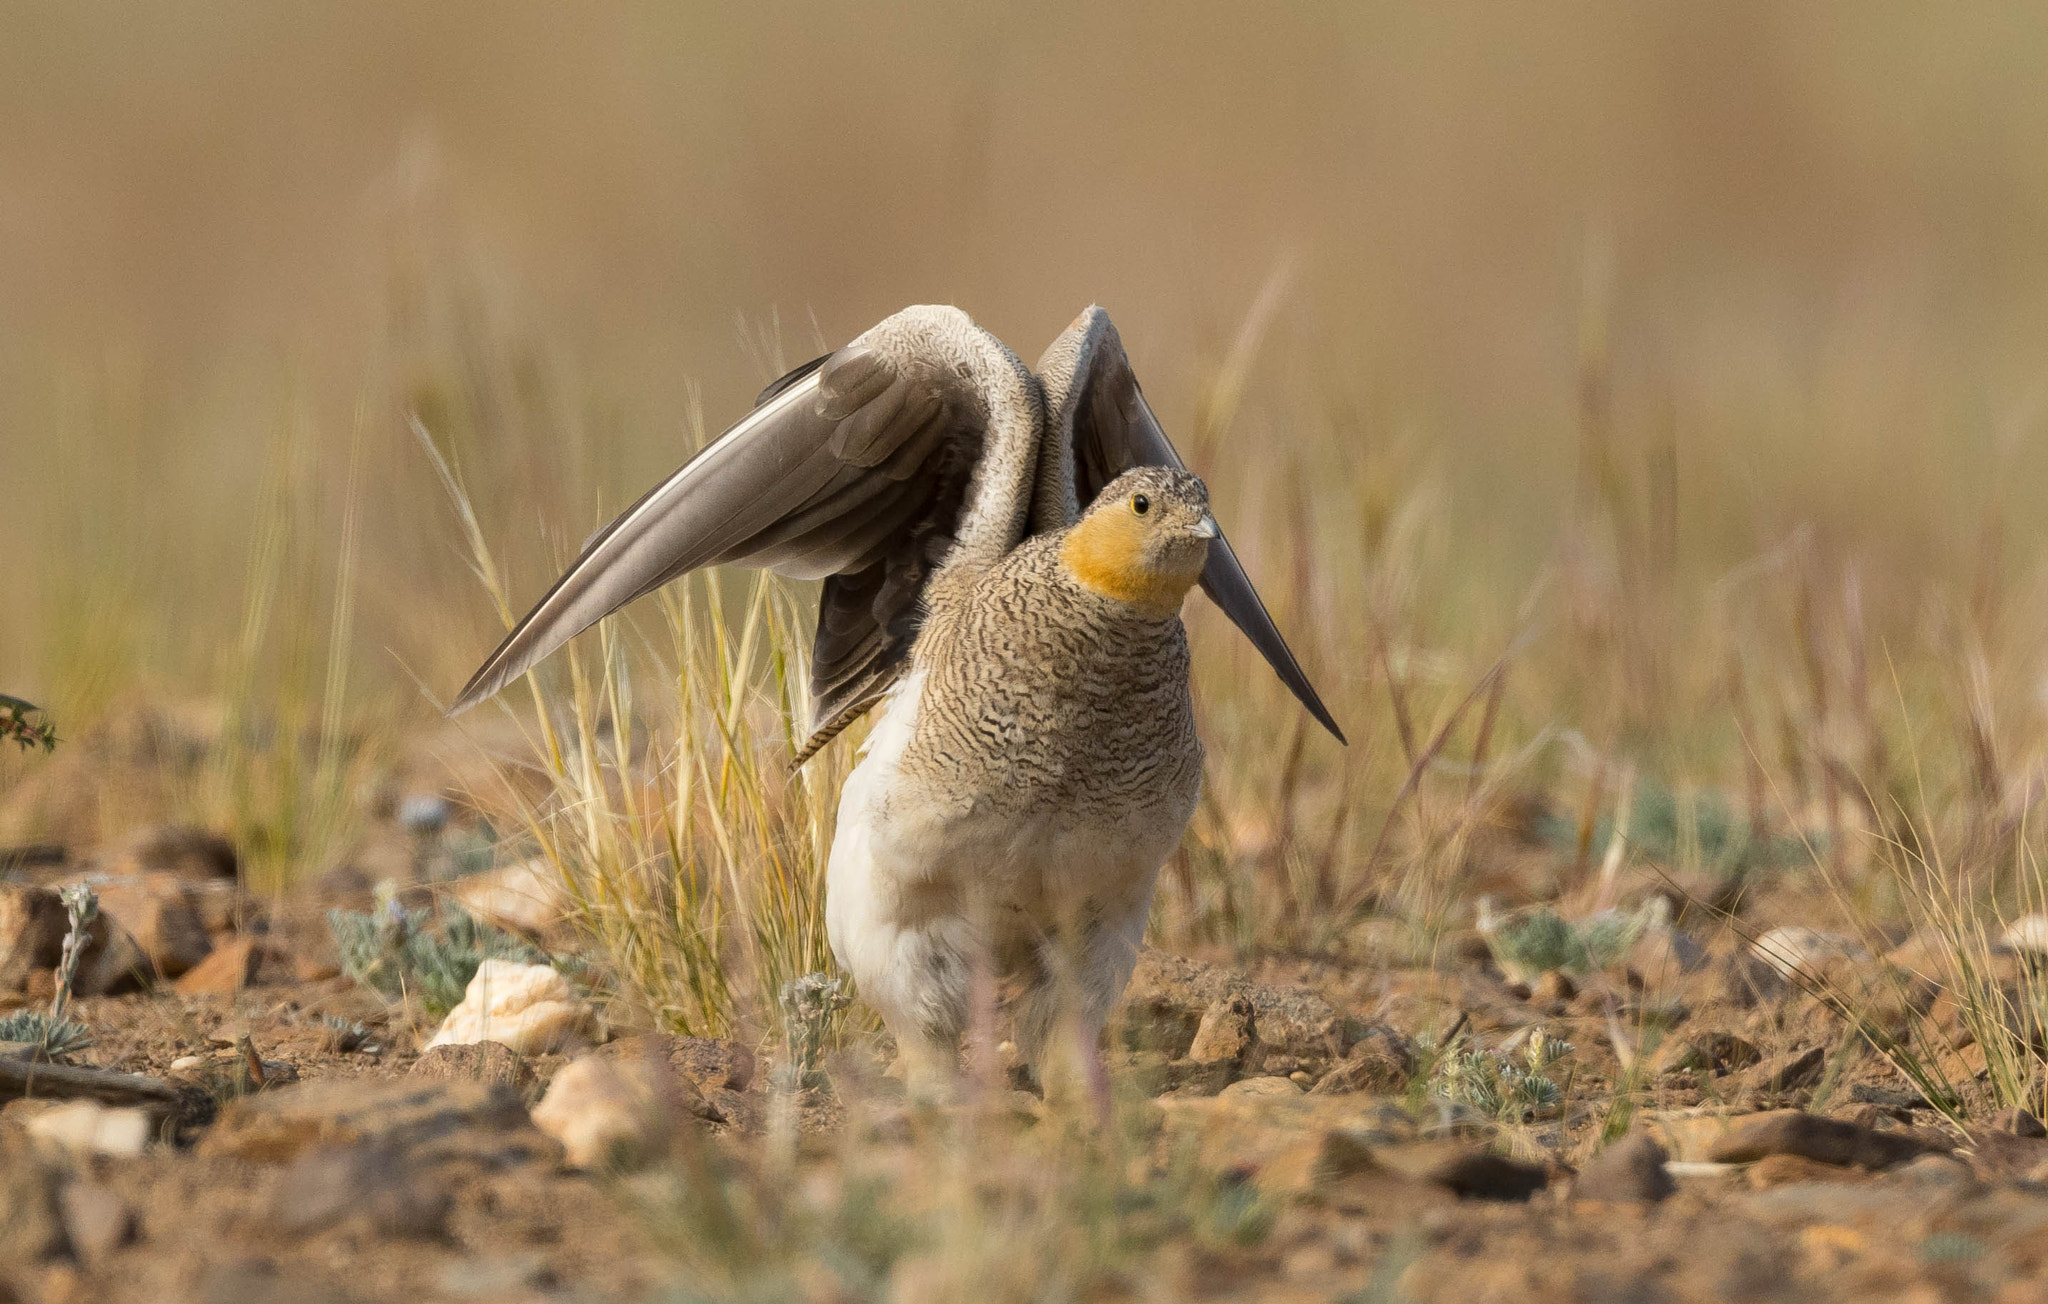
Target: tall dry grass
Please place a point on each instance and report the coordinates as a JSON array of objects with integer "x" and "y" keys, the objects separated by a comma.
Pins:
[{"x": 691, "y": 854}]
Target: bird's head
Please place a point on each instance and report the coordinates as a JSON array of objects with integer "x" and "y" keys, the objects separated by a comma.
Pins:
[{"x": 1144, "y": 540}]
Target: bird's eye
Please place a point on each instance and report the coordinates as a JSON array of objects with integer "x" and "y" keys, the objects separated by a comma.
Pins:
[{"x": 1141, "y": 504}]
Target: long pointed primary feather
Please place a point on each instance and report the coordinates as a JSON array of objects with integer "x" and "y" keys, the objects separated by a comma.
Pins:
[
  {"x": 733, "y": 479},
  {"x": 909, "y": 447},
  {"x": 1102, "y": 416}
]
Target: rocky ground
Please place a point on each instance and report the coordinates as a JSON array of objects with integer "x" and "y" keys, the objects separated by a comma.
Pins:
[{"x": 1688, "y": 1121}]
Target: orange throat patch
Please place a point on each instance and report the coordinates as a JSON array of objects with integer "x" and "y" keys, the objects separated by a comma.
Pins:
[{"x": 1104, "y": 554}]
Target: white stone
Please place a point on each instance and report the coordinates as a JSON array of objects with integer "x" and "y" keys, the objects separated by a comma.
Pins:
[
  {"x": 186, "y": 1063},
  {"x": 86, "y": 1127},
  {"x": 2028, "y": 934},
  {"x": 528, "y": 1007},
  {"x": 606, "y": 1113},
  {"x": 528, "y": 896},
  {"x": 1796, "y": 951}
]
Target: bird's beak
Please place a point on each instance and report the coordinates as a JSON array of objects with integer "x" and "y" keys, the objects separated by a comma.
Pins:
[{"x": 1205, "y": 528}]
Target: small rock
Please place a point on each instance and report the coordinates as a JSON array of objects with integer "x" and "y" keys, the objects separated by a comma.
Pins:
[
  {"x": 96, "y": 1221},
  {"x": 1379, "y": 1061},
  {"x": 1888, "y": 1098},
  {"x": 238, "y": 962},
  {"x": 86, "y": 1127},
  {"x": 32, "y": 926},
  {"x": 419, "y": 1119},
  {"x": 1261, "y": 1087},
  {"x": 528, "y": 1007},
  {"x": 186, "y": 1063},
  {"x": 111, "y": 963},
  {"x": 526, "y": 897},
  {"x": 490, "y": 1062},
  {"x": 1225, "y": 1032},
  {"x": 1630, "y": 1171},
  {"x": 1798, "y": 952},
  {"x": 156, "y": 908},
  {"x": 1790, "y": 1071},
  {"x": 2019, "y": 1122},
  {"x": 424, "y": 812},
  {"x": 1169, "y": 996},
  {"x": 187, "y": 852},
  {"x": 1862, "y": 1115},
  {"x": 1751, "y": 1137},
  {"x": 612, "y": 1114},
  {"x": 372, "y": 1184}
]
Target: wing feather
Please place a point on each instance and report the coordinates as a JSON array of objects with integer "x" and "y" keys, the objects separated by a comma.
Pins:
[
  {"x": 855, "y": 462},
  {"x": 1098, "y": 411}
]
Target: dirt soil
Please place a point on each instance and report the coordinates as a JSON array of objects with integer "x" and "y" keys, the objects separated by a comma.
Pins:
[{"x": 1765, "y": 1151}]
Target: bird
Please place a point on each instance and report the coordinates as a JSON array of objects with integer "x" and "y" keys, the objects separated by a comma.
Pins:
[{"x": 1002, "y": 554}]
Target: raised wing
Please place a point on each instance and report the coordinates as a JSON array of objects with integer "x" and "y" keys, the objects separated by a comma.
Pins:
[
  {"x": 1096, "y": 409},
  {"x": 853, "y": 469}
]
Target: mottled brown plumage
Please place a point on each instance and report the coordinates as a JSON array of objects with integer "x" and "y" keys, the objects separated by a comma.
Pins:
[{"x": 1036, "y": 761}]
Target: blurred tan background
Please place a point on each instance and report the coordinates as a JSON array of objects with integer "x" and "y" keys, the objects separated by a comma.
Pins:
[{"x": 1802, "y": 249}]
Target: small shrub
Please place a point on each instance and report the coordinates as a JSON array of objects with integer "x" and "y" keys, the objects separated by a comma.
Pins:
[
  {"x": 58, "y": 1038},
  {"x": 1493, "y": 1082},
  {"x": 810, "y": 1006},
  {"x": 1704, "y": 828},
  {"x": 1535, "y": 941},
  {"x": 423, "y": 953}
]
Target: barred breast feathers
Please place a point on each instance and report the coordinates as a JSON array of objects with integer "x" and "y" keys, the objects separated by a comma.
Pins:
[{"x": 1039, "y": 689}]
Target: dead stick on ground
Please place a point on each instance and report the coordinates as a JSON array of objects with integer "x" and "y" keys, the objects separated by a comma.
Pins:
[{"x": 71, "y": 1082}]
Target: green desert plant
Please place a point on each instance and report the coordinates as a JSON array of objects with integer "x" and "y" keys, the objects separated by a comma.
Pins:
[
  {"x": 81, "y": 907},
  {"x": 55, "y": 1038},
  {"x": 428, "y": 954},
  {"x": 810, "y": 1010},
  {"x": 1502, "y": 1086},
  {"x": 1531, "y": 942}
]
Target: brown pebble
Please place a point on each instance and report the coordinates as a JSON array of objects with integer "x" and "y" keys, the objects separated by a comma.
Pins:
[{"x": 1630, "y": 1171}]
